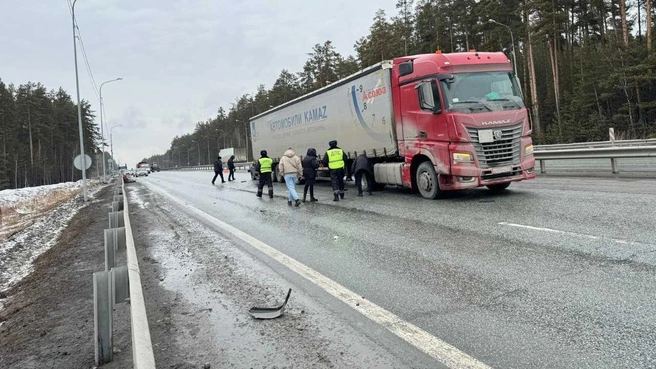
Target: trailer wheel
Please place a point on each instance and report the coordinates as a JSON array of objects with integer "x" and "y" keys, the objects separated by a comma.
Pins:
[
  {"x": 427, "y": 182},
  {"x": 498, "y": 188}
]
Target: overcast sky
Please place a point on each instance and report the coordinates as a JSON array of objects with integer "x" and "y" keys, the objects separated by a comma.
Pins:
[{"x": 180, "y": 60}]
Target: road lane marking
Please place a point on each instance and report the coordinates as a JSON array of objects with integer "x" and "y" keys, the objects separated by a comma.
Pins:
[
  {"x": 447, "y": 354},
  {"x": 569, "y": 233}
]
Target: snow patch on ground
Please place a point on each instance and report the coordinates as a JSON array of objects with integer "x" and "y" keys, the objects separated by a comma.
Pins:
[
  {"x": 20, "y": 207},
  {"x": 46, "y": 221},
  {"x": 136, "y": 198},
  {"x": 24, "y": 196}
]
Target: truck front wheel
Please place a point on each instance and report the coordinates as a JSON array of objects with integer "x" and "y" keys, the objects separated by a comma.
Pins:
[
  {"x": 427, "y": 182},
  {"x": 498, "y": 188}
]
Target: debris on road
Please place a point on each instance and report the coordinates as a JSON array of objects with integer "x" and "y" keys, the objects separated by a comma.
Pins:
[{"x": 270, "y": 313}]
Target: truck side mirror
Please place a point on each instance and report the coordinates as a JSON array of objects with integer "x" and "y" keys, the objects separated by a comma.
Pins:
[{"x": 429, "y": 96}]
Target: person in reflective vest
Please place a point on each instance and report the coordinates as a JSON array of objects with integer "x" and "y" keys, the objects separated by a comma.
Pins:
[
  {"x": 335, "y": 159},
  {"x": 264, "y": 166}
]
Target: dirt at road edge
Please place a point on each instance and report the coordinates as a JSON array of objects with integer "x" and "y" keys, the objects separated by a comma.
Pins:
[{"x": 47, "y": 320}]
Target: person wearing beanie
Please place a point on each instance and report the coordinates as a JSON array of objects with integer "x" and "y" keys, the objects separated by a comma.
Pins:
[{"x": 218, "y": 169}]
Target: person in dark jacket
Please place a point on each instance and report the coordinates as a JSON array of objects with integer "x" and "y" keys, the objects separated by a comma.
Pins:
[
  {"x": 218, "y": 169},
  {"x": 335, "y": 159},
  {"x": 310, "y": 166},
  {"x": 362, "y": 167},
  {"x": 231, "y": 168}
]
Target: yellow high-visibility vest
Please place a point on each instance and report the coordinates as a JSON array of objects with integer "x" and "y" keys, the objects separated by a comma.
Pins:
[
  {"x": 265, "y": 165},
  {"x": 335, "y": 158}
]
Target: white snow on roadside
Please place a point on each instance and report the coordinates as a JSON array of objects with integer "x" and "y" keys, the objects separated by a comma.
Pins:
[
  {"x": 136, "y": 198},
  {"x": 19, "y": 251},
  {"x": 21, "y": 196}
]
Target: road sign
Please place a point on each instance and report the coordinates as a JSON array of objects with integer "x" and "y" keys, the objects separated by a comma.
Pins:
[{"x": 78, "y": 162}]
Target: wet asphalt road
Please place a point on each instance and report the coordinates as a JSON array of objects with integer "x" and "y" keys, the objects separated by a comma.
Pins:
[{"x": 555, "y": 273}]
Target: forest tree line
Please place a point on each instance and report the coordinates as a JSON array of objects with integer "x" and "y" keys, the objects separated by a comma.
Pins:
[
  {"x": 39, "y": 136},
  {"x": 584, "y": 66}
]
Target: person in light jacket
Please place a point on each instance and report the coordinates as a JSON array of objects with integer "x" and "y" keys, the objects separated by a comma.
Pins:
[
  {"x": 290, "y": 168},
  {"x": 310, "y": 166},
  {"x": 218, "y": 170}
]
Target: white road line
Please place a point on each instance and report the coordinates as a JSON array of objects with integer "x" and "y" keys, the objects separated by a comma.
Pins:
[
  {"x": 569, "y": 233},
  {"x": 424, "y": 341}
]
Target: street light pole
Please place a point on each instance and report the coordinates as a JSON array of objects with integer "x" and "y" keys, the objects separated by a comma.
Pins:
[
  {"x": 246, "y": 133},
  {"x": 102, "y": 135},
  {"x": 111, "y": 143},
  {"x": 189, "y": 149},
  {"x": 198, "y": 151},
  {"x": 79, "y": 109},
  {"x": 512, "y": 40}
]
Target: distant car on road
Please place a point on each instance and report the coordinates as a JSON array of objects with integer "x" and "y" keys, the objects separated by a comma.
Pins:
[{"x": 143, "y": 170}]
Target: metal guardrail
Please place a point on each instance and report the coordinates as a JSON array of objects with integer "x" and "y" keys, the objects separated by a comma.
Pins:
[
  {"x": 597, "y": 144},
  {"x": 238, "y": 166},
  {"x": 604, "y": 152},
  {"x": 120, "y": 284}
]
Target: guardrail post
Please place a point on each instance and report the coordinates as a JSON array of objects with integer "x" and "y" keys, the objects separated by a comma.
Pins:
[
  {"x": 543, "y": 168},
  {"x": 102, "y": 314},
  {"x": 121, "y": 284},
  {"x": 116, "y": 219},
  {"x": 114, "y": 241},
  {"x": 110, "y": 250},
  {"x": 117, "y": 206},
  {"x": 613, "y": 164}
]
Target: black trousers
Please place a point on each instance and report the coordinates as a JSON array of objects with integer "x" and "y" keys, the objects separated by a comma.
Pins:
[
  {"x": 216, "y": 174},
  {"x": 337, "y": 180},
  {"x": 309, "y": 184},
  {"x": 265, "y": 178},
  {"x": 358, "y": 180},
  {"x": 231, "y": 176}
]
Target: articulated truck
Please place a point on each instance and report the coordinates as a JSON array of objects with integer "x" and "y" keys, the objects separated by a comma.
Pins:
[{"x": 431, "y": 123}]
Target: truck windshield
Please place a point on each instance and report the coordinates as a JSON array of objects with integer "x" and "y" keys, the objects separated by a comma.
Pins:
[{"x": 481, "y": 92}]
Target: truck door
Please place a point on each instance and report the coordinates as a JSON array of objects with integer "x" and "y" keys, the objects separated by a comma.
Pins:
[{"x": 424, "y": 122}]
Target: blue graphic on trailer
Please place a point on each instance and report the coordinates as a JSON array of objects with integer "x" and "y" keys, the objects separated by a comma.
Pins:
[{"x": 375, "y": 135}]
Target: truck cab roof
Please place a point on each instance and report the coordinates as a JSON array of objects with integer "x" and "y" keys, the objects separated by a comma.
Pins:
[{"x": 424, "y": 65}]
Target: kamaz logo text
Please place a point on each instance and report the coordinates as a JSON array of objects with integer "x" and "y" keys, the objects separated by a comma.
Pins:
[{"x": 495, "y": 122}]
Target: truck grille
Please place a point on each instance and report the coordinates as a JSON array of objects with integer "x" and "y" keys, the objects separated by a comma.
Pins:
[{"x": 503, "y": 151}]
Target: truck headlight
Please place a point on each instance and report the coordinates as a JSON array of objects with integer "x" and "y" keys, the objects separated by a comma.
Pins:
[
  {"x": 462, "y": 157},
  {"x": 528, "y": 150}
]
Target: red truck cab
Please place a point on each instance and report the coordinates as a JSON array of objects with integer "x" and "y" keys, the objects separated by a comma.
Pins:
[{"x": 460, "y": 122}]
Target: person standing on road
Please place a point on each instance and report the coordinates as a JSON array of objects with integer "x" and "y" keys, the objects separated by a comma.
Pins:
[
  {"x": 310, "y": 166},
  {"x": 264, "y": 166},
  {"x": 335, "y": 160},
  {"x": 231, "y": 168},
  {"x": 290, "y": 168},
  {"x": 362, "y": 167},
  {"x": 218, "y": 169}
]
